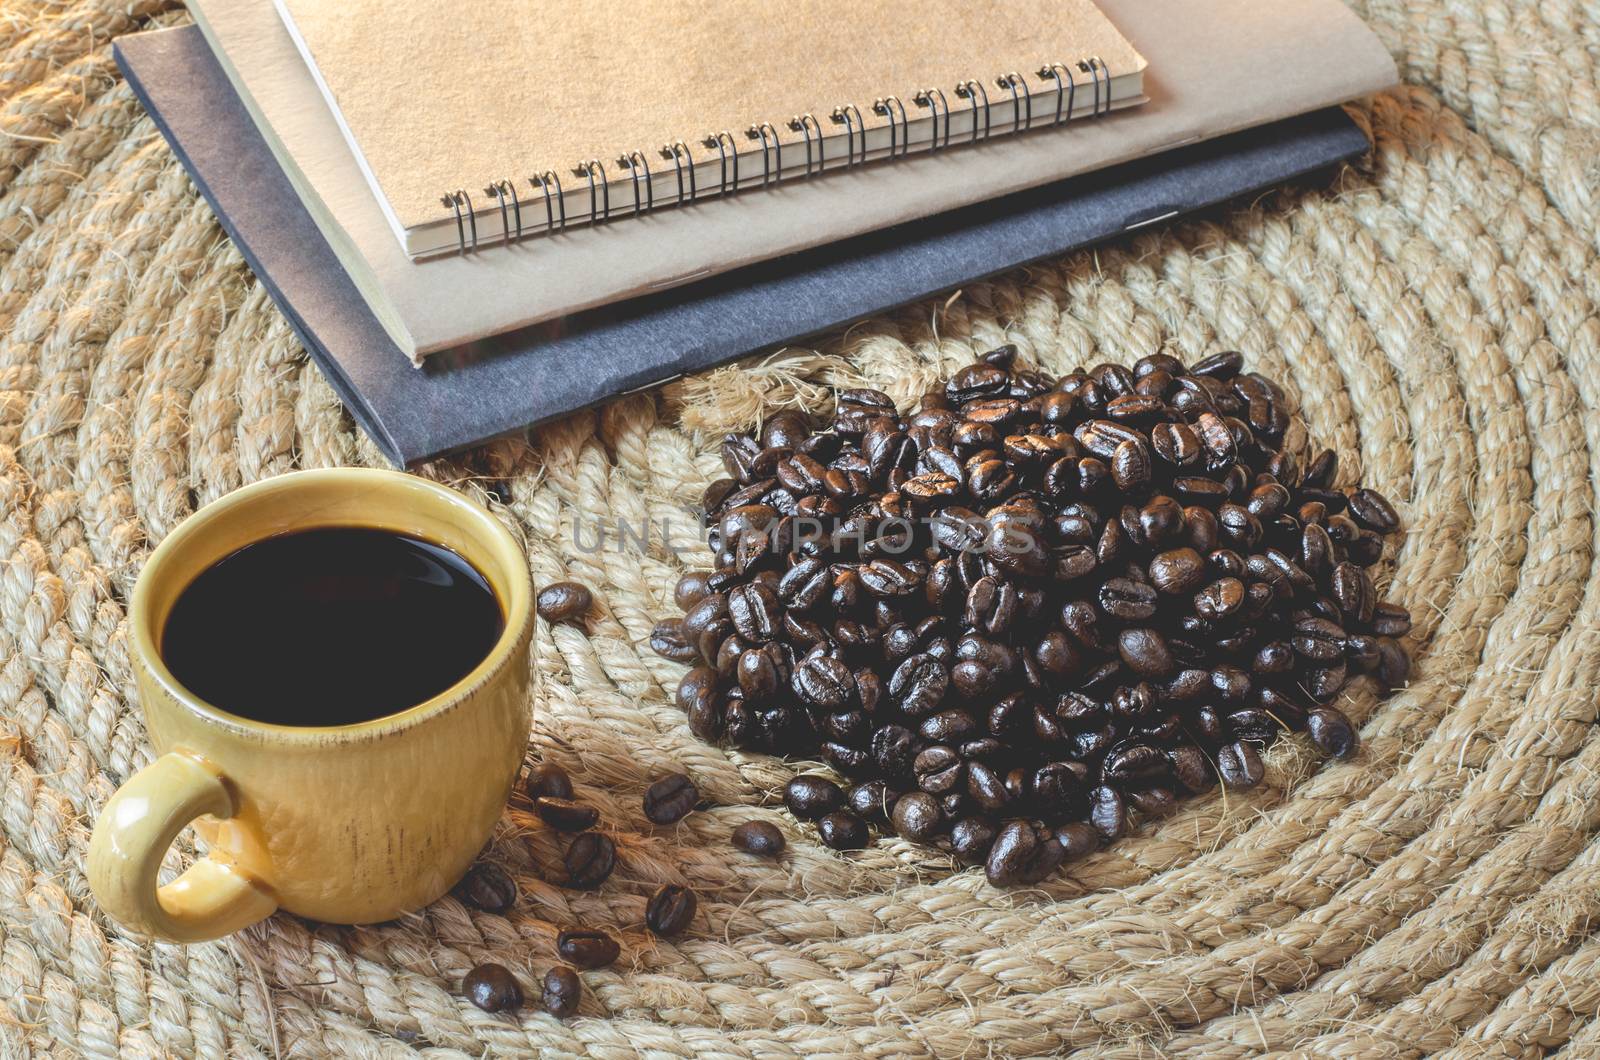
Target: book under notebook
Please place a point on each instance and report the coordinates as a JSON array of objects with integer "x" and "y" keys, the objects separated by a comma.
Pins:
[
  {"x": 477, "y": 122},
  {"x": 483, "y": 389},
  {"x": 1206, "y": 80}
]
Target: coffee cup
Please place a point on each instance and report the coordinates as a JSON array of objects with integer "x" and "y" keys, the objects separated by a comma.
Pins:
[{"x": 346, "y": 823}]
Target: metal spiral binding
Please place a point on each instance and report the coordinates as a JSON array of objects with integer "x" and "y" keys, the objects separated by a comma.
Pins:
[
  {"x": 1093, "y": 67},
  {"x": 679, "y": 153},
  {"x": 721, "y": 141},
  {"x": 883, "y": 107},
  {"x": 676, "y": 152},
  {"x": 586, "y": 169},
  {"x": 972, "y": 91},
  {"x": 1021, "y": 107},
  {"x": 760, "y": 132},
  {"x": 635, "y": 162},
  {"x": 454, "y": 201},
  {"x": 806, "y": 124},
  {"x": 543, "y": 182},
  {"x": 1061, "y": 74},
  {"x": 932, "y": 99},
  {"x": 849, "y": 115},
  {"x": 499, "y": 191}
]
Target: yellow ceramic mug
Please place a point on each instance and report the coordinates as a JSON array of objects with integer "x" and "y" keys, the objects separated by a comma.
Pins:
[{"x": 349, "y": 824}]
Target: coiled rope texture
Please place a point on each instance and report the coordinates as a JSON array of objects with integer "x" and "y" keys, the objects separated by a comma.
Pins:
[{"x": 1435, "y": 313}]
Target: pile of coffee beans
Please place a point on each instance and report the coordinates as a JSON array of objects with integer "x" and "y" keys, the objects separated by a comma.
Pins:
[
  {"x": 1032, "y": 607},
  {"x": 589, "y": 859}
]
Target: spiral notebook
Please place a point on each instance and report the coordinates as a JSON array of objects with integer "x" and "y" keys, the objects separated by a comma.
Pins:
[{"x": 476, "y": 124}]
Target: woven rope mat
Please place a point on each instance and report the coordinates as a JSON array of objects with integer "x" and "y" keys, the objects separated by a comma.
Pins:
[{"x": 1435, "y": 313}]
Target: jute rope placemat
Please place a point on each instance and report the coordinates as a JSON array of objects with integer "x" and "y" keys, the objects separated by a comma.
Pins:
[{"x": 1435, "y": 312}]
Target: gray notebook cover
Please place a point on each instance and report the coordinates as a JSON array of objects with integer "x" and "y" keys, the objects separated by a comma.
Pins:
[{"x": 501, "y": 385}]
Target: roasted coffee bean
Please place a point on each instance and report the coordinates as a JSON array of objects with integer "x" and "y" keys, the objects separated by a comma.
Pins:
[
  {"x": 670, "y": 640},
  {"x": 565, "y": 814},
  {"x": 564, "y": 602},
  {"x": 1134, "y": 765},
  {"x": 1353, "y": 591},
  {"x": 1078, "y": 840},
  {"x": 810, "y": 797},
  {"x": 1332, "y": 732},
  {"x": 975, "y": 382},
  {"x": 1175, "y": 444},
  {"x": 492, "y": 988},
  {"x": 824, "y": 682},
  {"x": 938, "y": 770},
  {"x": 1145, "y": 652},
  {"x": 761, "y": 838},
  {"x": 1107, "y": 813},
  {"x": 1128, "y": 600},
  {"x": 1318, "y": 639},
  {"x": 587, "y": 949},
  {"x": 971, "y": 838},
  {"x": 1022, "y": 853},
  {"x": 753, "y": 608},
  {"x": 870, "y": 801},
  {"x": 1372, "y": 510},
  {"x": 1192, "y": 768},
  {"x": 670, "y": 910},
  {"x": 1179, "y": 570},
  {"x": 894, "y": 750},
  {"x": 1153, "y": 801},
  {"x": 690, "y": 590},
  {"x": 987, "y": 788},
  {"x": 1025, "y": 599},
  {"x": 547, "y": 778},
  {"x": 843, "y": 830},
  {"x": 672, "y": 798},
  {"x": 1219, "y": 365},
  {"x": 918, "y": 816},
  {"x": 918, "y": 685},
  {"x": 1220, "y": 600},
  {"x": 589, "y": 860},
  {"x": 488, "y": 887},
  {"x": 562, "y": 991},
  {"x": 948, "y": 726},
  {"x": 1239, "y": 765}
]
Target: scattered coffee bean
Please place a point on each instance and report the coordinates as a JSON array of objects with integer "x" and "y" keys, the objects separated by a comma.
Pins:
[
  {"x": 811, "y": 798},
  {"x": 843, "y": 830},
  {"x": 548, "y": 779},
  {"x": 565, "y": 814},
  {"x": 670, "y": 910},
  {"x": 672, "y": 798},
  {"x": 589, "y": 860},
  {"x": 564, "y": 602},
  {"x": 492, "y": 988},
  {"x": 761, "y": 838},
  {"x": 488, "y": 887},
  {"x": 587, "y": 949},
  {"x": 1028, "y": 610},
  {"x": 562, "y": 991}
]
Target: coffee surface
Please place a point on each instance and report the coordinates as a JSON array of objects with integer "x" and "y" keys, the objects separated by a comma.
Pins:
[{"x": 330, "y": 626}]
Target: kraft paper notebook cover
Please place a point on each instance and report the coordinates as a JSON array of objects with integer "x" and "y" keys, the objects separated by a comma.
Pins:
[
  {"x": 466, "y": 96},
  {"x": 1216, "y": 66},
  {"x": 500, "y": 385}
]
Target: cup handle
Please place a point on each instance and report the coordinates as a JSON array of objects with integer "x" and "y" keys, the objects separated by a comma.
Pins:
[{"x": 211, "y": 899}]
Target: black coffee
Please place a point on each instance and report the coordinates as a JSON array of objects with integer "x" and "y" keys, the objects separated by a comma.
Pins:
[{"x": 330, "y": 626}]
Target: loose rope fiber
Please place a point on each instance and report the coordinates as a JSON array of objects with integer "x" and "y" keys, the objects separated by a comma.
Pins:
[{"x": 1434, "y": 313}]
